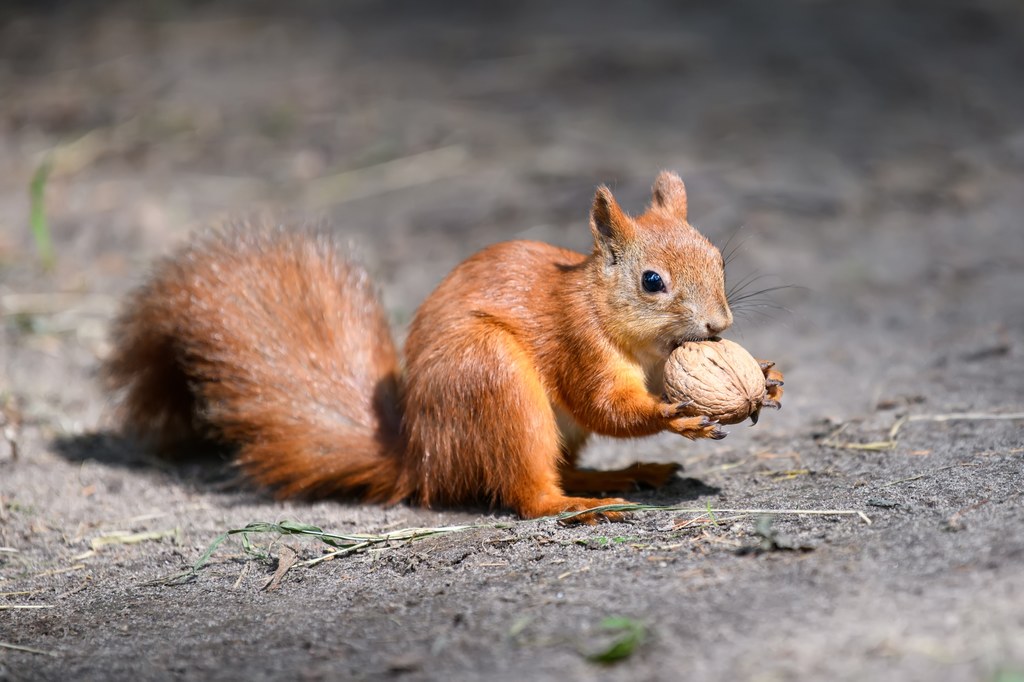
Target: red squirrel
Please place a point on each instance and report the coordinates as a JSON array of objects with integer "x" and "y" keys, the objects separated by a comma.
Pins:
[{"x": 271, "y": 341}]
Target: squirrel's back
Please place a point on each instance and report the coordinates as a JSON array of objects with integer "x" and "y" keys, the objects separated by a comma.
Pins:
[{"x": 273, "y": 341}]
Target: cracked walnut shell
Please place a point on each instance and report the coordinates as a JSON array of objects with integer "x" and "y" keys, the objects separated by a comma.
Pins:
[{"x": 719, "y": 379}]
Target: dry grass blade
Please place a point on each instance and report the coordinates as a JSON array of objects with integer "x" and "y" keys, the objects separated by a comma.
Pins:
[
  {"x": 710, "y": 511},
  {"x": 122, "y": 538},
  {"x": 58, "y": 571},
  {"x": 786, "y": 474},
  {"x": 927, "y": 474},
  {"x": 355, "y": 543},
  {"x": 345, "y": 543},
  {"x": 26, "y": 607},
  {"x": 20, "y": 593},
  {"x": 967, "y": 416},
  {"x": 409, "y": 171},
  {"x": 873, "y": 446},
  {"x": 286, "y": 558},
  {"x": 699, "y": 522},
  {"x": 832, "y": 441}
]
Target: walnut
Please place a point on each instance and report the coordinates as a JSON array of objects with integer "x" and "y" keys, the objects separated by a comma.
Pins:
[{"x": 719, "y": 378}]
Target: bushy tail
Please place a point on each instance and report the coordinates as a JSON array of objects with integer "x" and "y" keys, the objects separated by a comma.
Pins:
[{"x": 272, "y": 341}]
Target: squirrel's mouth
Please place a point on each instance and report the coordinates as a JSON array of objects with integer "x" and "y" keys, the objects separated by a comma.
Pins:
[{"x": 678, "y": 341}]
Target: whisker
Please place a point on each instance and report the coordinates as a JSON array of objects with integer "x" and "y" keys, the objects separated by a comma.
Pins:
[
  {"x": 751, "y": 317},
  {"x": 727, "y": 253},
  {"x": 746, "y": 282},
  {"x": 764, "y": 305},
  {"x": 732, "y": 235},
  {"x": 761, "y": 292},
  {"x": 747, "y": 315}
]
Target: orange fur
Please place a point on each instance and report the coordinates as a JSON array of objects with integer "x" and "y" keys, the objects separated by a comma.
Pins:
[{"x": 271, "y": 341}]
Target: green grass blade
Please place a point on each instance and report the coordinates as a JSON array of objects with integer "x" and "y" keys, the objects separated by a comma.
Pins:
[
  {"x": 631, "y": 634},
  {"x": 37, "y": 216}
]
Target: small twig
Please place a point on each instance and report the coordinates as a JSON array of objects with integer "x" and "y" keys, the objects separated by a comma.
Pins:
[
  {"x": 703, "y": 521},
  {"x": 954, "y": 521},
  {"x": 24, "y": 607},
  {"x": 563, "y": 576},
  {"x": 26, "y": 649},
  {"x": 928, "y": 473},
  {"x": 241, "y": 575},
  {"x": 76, "y": 590}
]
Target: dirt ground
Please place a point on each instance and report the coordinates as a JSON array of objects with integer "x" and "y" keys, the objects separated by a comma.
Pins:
[{"x": 870, "y": 153}]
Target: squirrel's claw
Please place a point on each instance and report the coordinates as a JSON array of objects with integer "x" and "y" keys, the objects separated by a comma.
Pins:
[
  {"x": 773, "y": 384},
  {"x": 712, "y": 429},
  {"x": 675, "y": 410}
]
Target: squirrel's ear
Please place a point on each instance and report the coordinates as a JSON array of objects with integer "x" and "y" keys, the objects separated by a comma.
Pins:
[
  {"x": 669, "y": 194},
  {"x": 611, "y": 227}
]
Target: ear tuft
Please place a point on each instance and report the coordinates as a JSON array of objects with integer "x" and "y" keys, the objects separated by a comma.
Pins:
[
  {"x": 669, "y": 194},
  {"x": 611, "y": 227}
]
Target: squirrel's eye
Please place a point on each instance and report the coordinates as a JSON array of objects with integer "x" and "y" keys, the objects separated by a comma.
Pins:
[{"x": 652, "y": 282}]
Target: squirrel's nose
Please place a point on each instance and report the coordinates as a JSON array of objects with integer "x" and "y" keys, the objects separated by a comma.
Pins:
[
  {"x": 714, "y": 329},
  {"x": 718, "y": 323}
]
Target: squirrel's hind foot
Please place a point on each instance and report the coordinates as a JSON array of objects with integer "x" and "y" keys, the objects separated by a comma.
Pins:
[{"x": 553, "y": 506}]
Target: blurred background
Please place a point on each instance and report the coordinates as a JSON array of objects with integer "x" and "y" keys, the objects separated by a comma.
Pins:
[{"x": 870, "y": 153}]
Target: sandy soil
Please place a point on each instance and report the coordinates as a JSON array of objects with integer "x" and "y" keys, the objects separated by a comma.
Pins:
[{"x": 870, "y": 153}]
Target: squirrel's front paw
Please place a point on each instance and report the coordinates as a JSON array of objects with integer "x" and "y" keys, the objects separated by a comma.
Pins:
[
  {"x": 773, "y": 380},
  {"x": 697, "y": 427}
]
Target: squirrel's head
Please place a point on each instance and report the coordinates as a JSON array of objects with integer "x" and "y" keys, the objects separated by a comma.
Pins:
[{"x": 664, "y": 281}]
